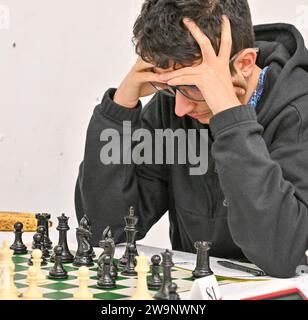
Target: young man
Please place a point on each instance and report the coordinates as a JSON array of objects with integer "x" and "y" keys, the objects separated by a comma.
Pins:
[{"x": 249, "y": 88}]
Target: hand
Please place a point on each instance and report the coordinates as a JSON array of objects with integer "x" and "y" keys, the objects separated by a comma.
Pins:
[
  {"x": 136, "y": 84},
  {"x": 212, "y": 76},
  {"x": 239, "y": 86}
]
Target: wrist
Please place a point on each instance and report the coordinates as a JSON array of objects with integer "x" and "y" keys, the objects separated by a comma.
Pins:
[
  {"x": 120, "y": 100},
  {"x": 228, "y": 104}
]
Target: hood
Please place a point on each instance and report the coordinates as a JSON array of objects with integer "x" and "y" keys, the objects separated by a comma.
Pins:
[{"x": 282, "y": 48}]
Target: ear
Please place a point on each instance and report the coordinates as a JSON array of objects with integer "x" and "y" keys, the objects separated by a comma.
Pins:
[{"x": 246, "y": 62}]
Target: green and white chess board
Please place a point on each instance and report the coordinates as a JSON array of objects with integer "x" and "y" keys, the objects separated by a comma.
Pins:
[{"x": 64, "y": 289}]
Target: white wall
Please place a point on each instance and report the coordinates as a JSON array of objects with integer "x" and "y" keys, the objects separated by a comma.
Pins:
[{"x": 66, "y": 54}]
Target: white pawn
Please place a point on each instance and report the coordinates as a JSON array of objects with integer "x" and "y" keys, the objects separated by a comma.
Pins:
[
  {"x": 32, "y": 293},
  {"x": 36, "y": 260},
  {"x": 142, "y": 268},
  {"x": 7, "y": 290},
  {"x": 83, "y": 293}
]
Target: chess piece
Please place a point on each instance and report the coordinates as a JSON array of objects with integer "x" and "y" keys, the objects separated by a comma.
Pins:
[
  {"x": 63, "y": 227},
  {"x": 107, "y": 243},
  {"x": 83, "y": 293},
  {"x": 173, "y": 295},
  {"x": 203, "y": 260},
  {"x": 155, "y": 281},
  {"x": 37, "y": 244},
  {"x": 43, "y": 220},
  {"x": 129, "y": 269},
  {"x": 32, "y": 293},
  {"x": 36, "y": 260},
  {"x": 142, "y": 269},
  {"x": 106, "y": 281},
  {"x": 57, "y": 271},
  {"x": 84, "y": 251},
  {"x": 7, "y": 287},
  {"x": 85, "y": 223},
  {"x": 18, "y": 246},
  {"x": 163, "y": 293},
  {"x": 130, "y": 229},
  {"x": 45, "y": 251}
]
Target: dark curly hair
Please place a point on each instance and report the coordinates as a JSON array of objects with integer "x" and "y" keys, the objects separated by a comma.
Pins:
[{"x": 160, "y": 35}]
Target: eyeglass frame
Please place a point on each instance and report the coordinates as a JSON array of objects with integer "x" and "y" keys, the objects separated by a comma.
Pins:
[{"x": 171, "y": 90}]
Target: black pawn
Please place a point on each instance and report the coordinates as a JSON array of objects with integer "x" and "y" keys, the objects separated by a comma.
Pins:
[
  {"x": 57, "y": 271},
  {"x": 43, "y": 220},
  {"x": 37, "y": 244},
  {"x": 45, "y": 251},
  {"x": 173, "y": 295},
  {"x": 18, "y": 246},
  {"x": 129, "y": 269},
  {"x": 106, "y": 281},
  {"x": 203, "y": 260},
  {"x": 155, "y": 281}
]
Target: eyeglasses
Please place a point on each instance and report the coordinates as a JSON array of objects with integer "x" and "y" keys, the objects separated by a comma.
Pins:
[{"x": 191, "y": 92}]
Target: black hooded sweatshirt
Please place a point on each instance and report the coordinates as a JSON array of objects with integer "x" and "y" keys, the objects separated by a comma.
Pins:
[{"x": 253, "y": 201}]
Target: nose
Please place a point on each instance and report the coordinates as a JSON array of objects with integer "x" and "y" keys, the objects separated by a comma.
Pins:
[{"x": 183, "y": 105}]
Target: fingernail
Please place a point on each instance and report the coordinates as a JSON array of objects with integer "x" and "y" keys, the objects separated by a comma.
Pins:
[
  {"x": 186, "y": 19},
  {"x": 162, "y": 77}
]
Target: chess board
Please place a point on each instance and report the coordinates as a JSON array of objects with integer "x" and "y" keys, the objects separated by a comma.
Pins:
[{"x": 64, "y": 289}]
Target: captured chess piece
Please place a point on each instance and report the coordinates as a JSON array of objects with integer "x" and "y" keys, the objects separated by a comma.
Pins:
[
  {"x": 142, "y": 268},
  {"x": 163, "y": 293},
  {"x": 173, "y": 295},
  {"x": 155, "y": 281},
  {"x": 58, "y": 271},
  {"x": 32, "y": 293},
  {"x": 83, "y": 292},
  {"x": 37, "y": 244},
  {"x": 105, "y": 281},
  {"x": 203, "y": 260},
  {"x": 129, "y": 269},
  {"x": 63, "y": 227},
  {"x": 18, "y": 246},
  {"x": 84, "y": 251},
  {"x": 43, "y": 220},
  {"x": 130, "y": 229}
]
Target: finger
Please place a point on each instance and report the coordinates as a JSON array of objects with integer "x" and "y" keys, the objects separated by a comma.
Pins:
[
  {"x": 239, "y": 91},
  {"x": 150, "y": 77},
  {"x": 204, "y": 42},
  {"x": 184, "y": 80},
  {"x": 177, "y": 73},
  {"x": 226, "y": 40}
]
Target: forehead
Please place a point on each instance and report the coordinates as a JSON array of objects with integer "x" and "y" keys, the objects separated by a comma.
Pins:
[{"x": 176, "y": 66}]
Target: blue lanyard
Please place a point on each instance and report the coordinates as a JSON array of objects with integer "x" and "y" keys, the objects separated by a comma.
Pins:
[{"x": 256, "y": 96}]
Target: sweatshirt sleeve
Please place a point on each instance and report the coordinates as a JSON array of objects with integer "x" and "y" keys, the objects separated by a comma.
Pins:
[
  {"x": 105, "y": 192},
  {"x": 266, "y": 187}
]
